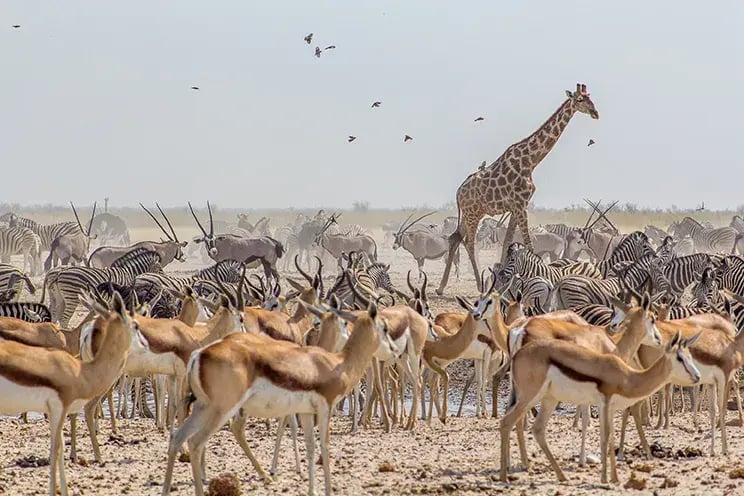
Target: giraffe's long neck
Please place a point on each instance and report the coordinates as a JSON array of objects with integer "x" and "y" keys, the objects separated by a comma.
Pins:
[{"x": 544, "y": 139}]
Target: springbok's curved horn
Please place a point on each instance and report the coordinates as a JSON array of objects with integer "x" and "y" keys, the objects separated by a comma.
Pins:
[
  {"x": 201, "y": 228},
  {"x": 158, "y": 222},
  {"x": 241, "y": 285},
  {"x": 423, "y": 286},
  {"x": 410, "y": 286},
  {"x": 320, "y": 278},
  {"x": 302, "y": 272}
]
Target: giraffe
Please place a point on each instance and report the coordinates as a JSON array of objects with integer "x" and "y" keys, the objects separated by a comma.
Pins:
[{"x": 506, "y": 185}]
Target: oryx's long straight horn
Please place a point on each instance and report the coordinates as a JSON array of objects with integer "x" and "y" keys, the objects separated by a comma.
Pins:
[
  {"x": 170, "y": 226},
  {"x": 211, "y": 220},
  {"x": 201, "y": 228},
  {"x": 167, "y": 235},
  {"x": 80, "y": 225},
  {"x": 415, "y": 221}
]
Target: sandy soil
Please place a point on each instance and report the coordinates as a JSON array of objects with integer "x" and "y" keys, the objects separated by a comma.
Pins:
[{"x": 460, "y": 457}]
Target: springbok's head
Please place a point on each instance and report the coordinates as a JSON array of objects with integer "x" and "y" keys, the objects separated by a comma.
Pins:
[
  {"x": 582, "y": 101},
  {"x": 207, "y": 238},
  {"x": 405, "y": 226},
  {"x": 171, "y": 236}
]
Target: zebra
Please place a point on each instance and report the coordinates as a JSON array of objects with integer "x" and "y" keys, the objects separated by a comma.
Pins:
[
  {"x": 534, "y": 289},
  {"x": 522, "y": 262},
  {"x": 65, "y": 284},
  {"x": 26, "y": 310},
  {"x": 358, "y": 283},
  {"x": 225, "y": 271},
  {"x": 46, "y": 232},
  {"x": 706, "y": 240},
  {"x": 686, "y": 270},
  {"x": 11, "y": 278},
  {"x": 21, "y": 240},
  {"x": 634, "y": 246},
  {"x": 576, "y": 291},
  {"x": 562, "y": 230},
  {"x": 595, "y": 314}
]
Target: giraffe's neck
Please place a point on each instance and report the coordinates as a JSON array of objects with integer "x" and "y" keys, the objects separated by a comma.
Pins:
[{"x": 544, "y": 139}]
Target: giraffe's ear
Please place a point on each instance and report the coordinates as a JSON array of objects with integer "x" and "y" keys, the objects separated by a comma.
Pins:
[{"x": 569, "y": 94}]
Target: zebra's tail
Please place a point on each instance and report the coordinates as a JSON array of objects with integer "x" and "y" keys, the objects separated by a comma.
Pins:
[{"x": 52, "y": 249}]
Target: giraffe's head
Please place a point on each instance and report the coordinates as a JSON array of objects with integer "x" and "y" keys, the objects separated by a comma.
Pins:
[{"x": 583, "y": 103}]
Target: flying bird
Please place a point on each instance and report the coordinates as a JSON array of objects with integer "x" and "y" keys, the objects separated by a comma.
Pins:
[
  {"x": 591, "y": 142},
  {"x": 376, "y": 104},
  {"x": 407, "y": 138},
  {"x": 330, "y": 47},
  {"x": 309, "y": 38},
  {"x": 16, "y": 26},
  {"x": 481, "y": 118},
  {"x": 317, "y": 51},
  {"x": 194, "y": 87},
  {"x": 351, "y": 138}
]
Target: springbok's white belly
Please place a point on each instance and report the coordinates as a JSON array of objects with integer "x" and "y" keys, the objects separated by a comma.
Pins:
[
  {"x": 563, "y": 388},
  {"x": 144, "y": 362},
  {"x": 390, "y": 350},
  {"x": 266, "y": 400},
  {"x": 709, "y": 374},
  {"x": 15, "y": 398}
]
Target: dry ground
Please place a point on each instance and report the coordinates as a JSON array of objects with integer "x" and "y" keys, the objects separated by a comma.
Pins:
[{"x": 460, "y": 457}]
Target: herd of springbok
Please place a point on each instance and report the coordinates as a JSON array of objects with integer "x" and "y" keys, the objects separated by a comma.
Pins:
[{"x": 610, "y": 321}]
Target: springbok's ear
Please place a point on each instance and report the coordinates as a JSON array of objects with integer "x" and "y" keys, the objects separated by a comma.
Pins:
[
  {"x": 372, "y": 310},
  {"x": 691, "y": 341},
  {"x": 674, "y": 341}
]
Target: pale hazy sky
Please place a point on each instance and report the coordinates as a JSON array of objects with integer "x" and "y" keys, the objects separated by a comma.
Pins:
[{"x": 96, "y": 99}]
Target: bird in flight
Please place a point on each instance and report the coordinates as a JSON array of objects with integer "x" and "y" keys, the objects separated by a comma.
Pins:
[
  {"x": 317, "y": 51},
  {"x": 309, "y": 38},
  {"x": 194, "y": 87},
  {"x": 481, "y": 118},
  {"x": 351, "y": 138},
  {"x": 376, "y": 104},
  {"x": 16, "y": 26},
  {"x": 591, "y": 142},
  {"x": 407, "y": 138},
  {"x": 329, "y": 47}
]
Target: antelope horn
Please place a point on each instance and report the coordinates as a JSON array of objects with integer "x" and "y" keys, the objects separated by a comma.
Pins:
[
  {"x": 423, "y": 286},
  {"x": 402, "y": 225},
  {"x": 158, "y": 222},
  {"x": 241, "y": 285},
  {"x": 201, "y": 228},
  {"x": 173, "y": 231},
  {"x": 320, "y": 278},
  {"x": 82, "y": 229},
  {"x": 302, "y": 272},
  {"x": 211, "y": 221},
  {"x": 410, "y": 286},
  {"x": 591, "y": 214},
  {"x": 92, "y": 216},
  {"x": 419, "y": 219}
]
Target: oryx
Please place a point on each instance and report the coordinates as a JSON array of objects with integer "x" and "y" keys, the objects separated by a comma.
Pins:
[
  {"x": 169, "y": 249},
  {"x": 423, "y": 244},
  {"x": 71, "y": 248},
  {"x": 251, "y": 251}
]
